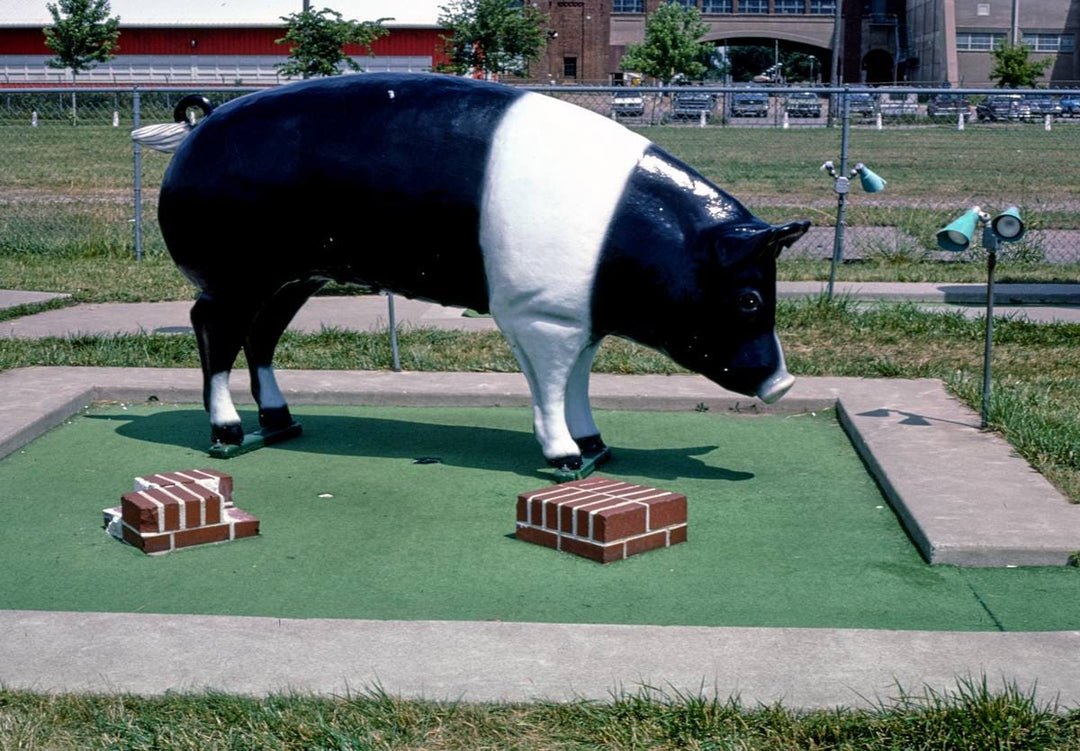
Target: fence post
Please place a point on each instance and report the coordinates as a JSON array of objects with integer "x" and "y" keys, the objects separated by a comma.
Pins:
[
  {"x": 838, "y": 236},
  {"x": 136, "y": 105}
]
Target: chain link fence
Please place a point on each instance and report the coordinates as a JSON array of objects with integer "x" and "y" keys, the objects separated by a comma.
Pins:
[{"x": 67, "y": 163}]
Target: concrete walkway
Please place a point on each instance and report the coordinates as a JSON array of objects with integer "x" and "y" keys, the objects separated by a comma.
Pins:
[{"x": 1044, "y": 303}]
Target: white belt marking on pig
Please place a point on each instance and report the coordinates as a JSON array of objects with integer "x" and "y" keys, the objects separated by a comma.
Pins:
[{"x": 554, "y": 178}]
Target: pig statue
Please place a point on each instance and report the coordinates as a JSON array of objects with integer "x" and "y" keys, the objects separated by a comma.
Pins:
[{"x": 566, "y": 226}]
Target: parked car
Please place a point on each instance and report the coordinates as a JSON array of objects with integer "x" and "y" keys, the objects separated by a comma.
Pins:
[
  {"x": 803, "y": 104},
  {"x": 1040, "y": 105},
  {"x": 861, "y": 104},
  {"x": 749, "y": 105},
  {"x": 997, "y": 107},
  {"x": 951, "y": 105},
  {"x": 687, "y": 105},
  {"x": 627, "y": 103},
  {"x": 898, "y": 104},
  {"x": 1070, "y": 106}
]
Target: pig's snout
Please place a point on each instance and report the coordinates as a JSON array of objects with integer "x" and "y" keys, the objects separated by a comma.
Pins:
[{"x": 775, "y": 386}]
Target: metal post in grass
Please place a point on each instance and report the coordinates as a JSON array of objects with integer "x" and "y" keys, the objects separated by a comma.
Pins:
[
  {"x": 957, "y": 237},
  {"x": 395, "y": 357},
  {"x": 841, "y": 187},
  {"x": 871, "y": 183},
  {"x": 136, "y": 118}
]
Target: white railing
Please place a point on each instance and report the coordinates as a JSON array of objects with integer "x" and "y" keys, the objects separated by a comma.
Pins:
[{"x": 222, "y": 69}]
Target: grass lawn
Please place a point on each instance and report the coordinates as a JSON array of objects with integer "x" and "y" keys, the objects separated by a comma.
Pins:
[
  {"x": 69, "y": 190},
  {"x": 971, "y": 718}
]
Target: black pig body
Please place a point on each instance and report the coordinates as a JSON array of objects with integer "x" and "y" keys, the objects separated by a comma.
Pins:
[{"x": 566, "y": 226}]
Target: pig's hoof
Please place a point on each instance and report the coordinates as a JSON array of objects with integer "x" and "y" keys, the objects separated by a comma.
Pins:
[
  {"x": 275, "y": 418},
  {"x": 590, "y": 444},
  {"x": 566, "y": 463},
  {"x": 231, "y": 434}
]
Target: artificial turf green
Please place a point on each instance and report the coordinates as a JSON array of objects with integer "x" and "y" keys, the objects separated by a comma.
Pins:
[{"x": 785, "y": 527}]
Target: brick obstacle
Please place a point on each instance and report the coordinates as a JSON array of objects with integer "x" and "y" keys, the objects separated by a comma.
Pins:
[
  {"x": 602, "y": 519},
  {"x": 175, "y": 510}
]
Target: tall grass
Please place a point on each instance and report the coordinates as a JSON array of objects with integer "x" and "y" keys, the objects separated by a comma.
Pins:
[{"x": 972, "y": 716}]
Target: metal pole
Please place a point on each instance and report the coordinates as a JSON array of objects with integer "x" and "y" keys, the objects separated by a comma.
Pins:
[
  {"x": 841, "y": 195},
  {"x": 395, "y": 358},
  {"x": 990, "y": 242},
  {"x": 834, "y": 77},
  {"x": 136, "y": 105}
]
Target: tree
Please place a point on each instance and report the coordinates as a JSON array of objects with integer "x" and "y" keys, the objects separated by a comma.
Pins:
[
  {"x": 1013, "y": 67},
  {"x": 493, "y": 36},
  {"x": 318, "y": 39},
  {"x": 82, "y": 35},
  {"x": 671, "y": 47}
]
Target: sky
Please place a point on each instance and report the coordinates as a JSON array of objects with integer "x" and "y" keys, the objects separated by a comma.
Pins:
[{"x": 158, "y": 12}]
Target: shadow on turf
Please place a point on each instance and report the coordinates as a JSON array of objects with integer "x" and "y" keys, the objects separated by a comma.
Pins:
[{"x": 455, "y": 445}]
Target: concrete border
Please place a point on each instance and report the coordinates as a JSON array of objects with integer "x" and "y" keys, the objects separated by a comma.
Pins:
[
  {"x": 965, "y": 498},
  {"x": 497, "y": 661},
  {"x": 909, "y": 432}
]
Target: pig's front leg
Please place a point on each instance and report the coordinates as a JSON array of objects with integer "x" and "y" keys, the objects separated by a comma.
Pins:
[
  {"x": 548, "y": 351},
  {"x": 578, "y": 410}
]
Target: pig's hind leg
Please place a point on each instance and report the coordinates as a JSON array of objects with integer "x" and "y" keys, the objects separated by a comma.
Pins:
[
  {"x": 220, "y": 324},
  {"x": 262, "y": 339}
]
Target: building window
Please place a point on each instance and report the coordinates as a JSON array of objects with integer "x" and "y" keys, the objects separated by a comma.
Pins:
[
  {"x": 686, "y": 3},
  {"x": 823, "y": 7},
  {"x": 978, "y": 41},
  {"x": 628, "y": 6},
  {"x": 1049, "y": 42},
  {"x": 715, "y": 6},
  {"x": 753, "y": 6},
  {"x": 569, "y": 67},
  {"x": 982, "y": 9},
  {"x": 789, "y": 6}
]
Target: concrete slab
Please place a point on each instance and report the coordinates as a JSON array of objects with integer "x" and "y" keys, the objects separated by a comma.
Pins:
[
  {"x": 1042, "y": 303},
  {"x": 366, "y": 313},
  {"x": 940, "y": 292},
  {"x": 496, "y": 661},
  {"x": 962, "y": 494},
  {"x": 932, "y": 436},
  {"x": 12, "y": 298}
]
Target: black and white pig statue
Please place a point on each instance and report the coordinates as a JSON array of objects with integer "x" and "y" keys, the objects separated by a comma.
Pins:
[{"x": 563, "y": 224}]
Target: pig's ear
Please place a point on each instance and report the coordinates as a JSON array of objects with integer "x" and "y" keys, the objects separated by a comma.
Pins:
[{"x": 784, "y": 236}]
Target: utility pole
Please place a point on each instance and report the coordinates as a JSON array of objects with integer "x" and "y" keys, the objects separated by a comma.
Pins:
[{"x": 1014, "y": 29}]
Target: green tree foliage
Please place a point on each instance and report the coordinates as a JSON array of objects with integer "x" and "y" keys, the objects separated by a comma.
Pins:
[
  {"x": 82, "y": 35},
  {"x": 1014, "y": 68},
  {"x": 492, "y": 36},
  {"x": 317, "y": 40},
  {"x": 671, "y": 47}
]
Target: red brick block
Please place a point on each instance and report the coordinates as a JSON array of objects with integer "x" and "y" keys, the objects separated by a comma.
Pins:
[
  {"x": 602, "y": 519},
  {"x": 173, "y": 510},
  {"x": 211, "y": 479},
  {"x": 171, "y": 507},
  {"x": 243, "y": 524},
  {"x": 200, "y": 536}
]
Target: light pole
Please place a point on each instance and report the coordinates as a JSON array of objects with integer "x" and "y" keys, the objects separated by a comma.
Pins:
[{"x": 957, "y": 237}]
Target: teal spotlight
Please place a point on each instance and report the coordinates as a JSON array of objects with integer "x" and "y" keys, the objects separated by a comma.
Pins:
[
  {"x": 1008, "y": 225},
  {"x": 957, "y": 236},
  {"x": 871, "y": 181}
]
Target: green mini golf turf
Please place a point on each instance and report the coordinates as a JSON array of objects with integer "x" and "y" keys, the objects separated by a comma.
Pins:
[{"x": 785, "y": 527}]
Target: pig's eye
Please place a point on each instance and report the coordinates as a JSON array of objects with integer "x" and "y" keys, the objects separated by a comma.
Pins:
[{"x": 749, "y": 302}]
